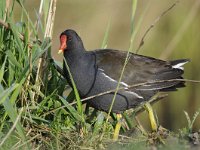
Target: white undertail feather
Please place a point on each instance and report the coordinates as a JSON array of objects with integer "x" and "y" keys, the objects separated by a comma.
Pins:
[
  {"x": 122, "y": 83},
  {"x": 179, "y": 65}
]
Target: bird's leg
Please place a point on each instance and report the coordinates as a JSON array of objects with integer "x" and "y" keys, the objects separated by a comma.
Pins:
[
  {"x": 87, "y": 109},
  {"x": 149, "y": 109},
  {"x": 117, "y": 127}
]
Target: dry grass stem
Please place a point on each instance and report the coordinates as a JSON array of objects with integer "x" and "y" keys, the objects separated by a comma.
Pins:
[
  {"x": 4, "y": 24},
  {"x": 12, "y": 128},
  {"x": 42, "y": 65},
  {"x": 122, "y": 88},
  {"x": 153, "y": 24},
  {"x": 188, "y": 20}
]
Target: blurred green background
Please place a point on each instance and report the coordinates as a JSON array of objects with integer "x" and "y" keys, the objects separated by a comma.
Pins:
[{"x": 176, "y": 35}]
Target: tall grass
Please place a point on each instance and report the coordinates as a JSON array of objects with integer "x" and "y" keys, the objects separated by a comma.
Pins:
[
  {"x": 26, "y": 86},
  {"x": 32, "y": 113}
]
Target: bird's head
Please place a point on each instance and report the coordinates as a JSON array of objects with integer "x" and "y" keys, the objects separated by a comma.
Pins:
[{"x": 70, "y": 40}]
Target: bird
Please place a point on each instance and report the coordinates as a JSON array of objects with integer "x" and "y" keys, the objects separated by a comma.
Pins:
[{"x": 98, "y": 71}]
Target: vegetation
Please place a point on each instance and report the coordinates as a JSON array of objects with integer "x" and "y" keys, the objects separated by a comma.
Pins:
[{"x": 38, "y": 110}]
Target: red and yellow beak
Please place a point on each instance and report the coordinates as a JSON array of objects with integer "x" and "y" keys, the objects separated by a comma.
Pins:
[
  {"x": 60, "y": 51},
  {"x": 63, "y": 43}
]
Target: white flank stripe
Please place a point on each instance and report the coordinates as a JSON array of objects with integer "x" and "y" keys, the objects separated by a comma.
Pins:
[
  {"x": 101, "y": 69},
  {"x": 123, "y": 83},
  {"x": 133, "y": 93},
  {"x": 109, "y": 77},
  {"x": 150, "y": 89}
]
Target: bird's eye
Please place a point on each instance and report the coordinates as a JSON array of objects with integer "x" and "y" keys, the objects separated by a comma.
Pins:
[{"x": 69, "y": 38}]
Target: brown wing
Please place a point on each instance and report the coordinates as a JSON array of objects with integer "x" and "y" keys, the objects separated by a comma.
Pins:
[{"x": 139, "y": 69}]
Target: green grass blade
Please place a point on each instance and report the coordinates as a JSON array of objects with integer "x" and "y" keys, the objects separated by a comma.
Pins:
[
  {"x": 137, "y": 27},
  {"x": 105, "y": 39},
  {"x": 71, "y": 109},
  {"x": 34, "y": 59},
  {"x": 188, "y": 119},
  {"x": 5, "y": 93},
  {"x": 12, "y": 113},
  {"x": 12, "y": 59},
  {"x": 16, "y": 92},
  {"x": 27, "y": 16},
  {"x": 133, "y": 32},
  {"x": 98, "y": 124},
  {"x": 2, "y": 70},
  {"x": 194, "y": 118},
  {"x": 79, "y": 103},
  {"x": 70, "y": 97},
  {"x": 134, "y": 7},
  {"x": 17, "y": 39}
]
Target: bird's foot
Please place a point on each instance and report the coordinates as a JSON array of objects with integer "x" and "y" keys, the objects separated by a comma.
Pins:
[{"x": 158, "y": 137}]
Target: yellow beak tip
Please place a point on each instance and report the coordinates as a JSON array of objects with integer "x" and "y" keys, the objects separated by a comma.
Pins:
[{"x": 60, "y": 51}]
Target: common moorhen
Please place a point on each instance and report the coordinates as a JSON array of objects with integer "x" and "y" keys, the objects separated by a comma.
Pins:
[{"x": 98, "y": 71}]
